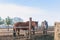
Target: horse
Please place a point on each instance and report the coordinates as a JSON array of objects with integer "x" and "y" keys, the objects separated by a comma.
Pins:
[
  {"x": 24, "y": 26},
  {"x": 44, "y": 26}
]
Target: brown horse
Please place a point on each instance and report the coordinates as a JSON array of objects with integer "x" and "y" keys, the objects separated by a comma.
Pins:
[{"x": 24, "y": 26}]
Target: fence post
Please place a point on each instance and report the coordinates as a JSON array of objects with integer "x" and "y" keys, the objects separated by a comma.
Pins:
[{"x": 30, "y": 21}]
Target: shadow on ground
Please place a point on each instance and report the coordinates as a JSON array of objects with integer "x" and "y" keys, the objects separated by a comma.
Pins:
[{"x": 44, "y": 37}]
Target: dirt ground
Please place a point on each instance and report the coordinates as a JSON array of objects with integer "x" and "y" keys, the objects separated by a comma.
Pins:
[
  {"x": 8, "y": 35},
  {"x": 47, "y": 37}
]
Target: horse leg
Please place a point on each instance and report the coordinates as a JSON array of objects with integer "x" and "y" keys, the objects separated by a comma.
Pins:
[
  {"x": 45, "y": 32},
  {"x": 18, "y": 32},
  {"x": 33, "y": 31},
  {"x": 14, "y": 33}
]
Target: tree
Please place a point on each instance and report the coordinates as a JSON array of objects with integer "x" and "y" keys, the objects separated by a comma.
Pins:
[
  {"x": 8, "y": 21},
  {"x": 1, "y": 21},
  {"x": 17, "y": 19}
]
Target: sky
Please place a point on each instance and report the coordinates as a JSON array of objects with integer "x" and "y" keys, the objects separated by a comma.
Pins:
[{"x": 39, "y": 10}]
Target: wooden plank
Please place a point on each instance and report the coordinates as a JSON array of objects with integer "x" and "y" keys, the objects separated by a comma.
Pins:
[{"x": 57, "y": 31}]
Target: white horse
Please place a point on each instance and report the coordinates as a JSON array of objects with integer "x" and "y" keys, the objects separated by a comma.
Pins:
[{"x": 44, "y": 26}]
